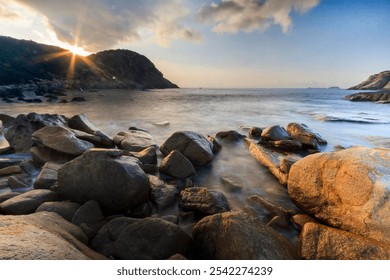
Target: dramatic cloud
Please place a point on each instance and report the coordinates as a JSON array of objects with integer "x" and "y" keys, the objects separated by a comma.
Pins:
[
  {"x": 101, "y": 24},
  {"x": 6, "y": 14},
  {"x": 232, "y": 16}
]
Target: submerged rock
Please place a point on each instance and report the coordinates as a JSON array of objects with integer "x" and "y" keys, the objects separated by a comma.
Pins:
[{"x": 348, "y": 189}]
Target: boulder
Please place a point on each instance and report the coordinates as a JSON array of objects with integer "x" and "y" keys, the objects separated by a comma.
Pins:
[
  {"x": 203, "y": 200},
  {"x": 301, "y": 219},
  {"x": 27, "y": 202},
  {"x": 134, "y": 140},
  {"x": 303, "y": 134},
  {"x": 177, "y": 165},
  {"x": 275, "y": 133},
  {"x": 255, "y": 132},
  {"x": 7, "y": 195},
  {"x": 48, "y": 176},
  {"x": 230, "y": 136},
  {"x": 230, "y": 184},
  {"x": 42, "y": 236},
  {"x": 10, "y": 170},
  {"x": 347, "y": 189},
  {"x": 151, "y": 239},
  {"x": 162, "y": 194},
  {"x": 286, "y": 145},
  {"x": 20, "y": 182},
  {"x": 319, "y": 242},
  {"x": 42, "y": 155},
  {"x": 116, "y": 182},
  {"x": 287, "y": 162},
  {"x": 65, "y": 209},
  {"x": 89, "y": 213},
  {"x": 61, "y": 139},
  {"x": 192, "y": 145},
  {"x": 217, "y": 147},
  {"x": 238, "y": 236}
]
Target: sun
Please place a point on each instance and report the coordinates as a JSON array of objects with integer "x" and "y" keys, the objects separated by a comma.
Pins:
[{"x": 76, "y": 50}]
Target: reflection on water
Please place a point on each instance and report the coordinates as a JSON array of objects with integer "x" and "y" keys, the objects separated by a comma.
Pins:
[{"x": 209, "y": 111}]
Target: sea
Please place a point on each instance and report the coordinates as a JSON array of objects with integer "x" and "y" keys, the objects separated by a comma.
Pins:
[{"x": 209, "y": 111}]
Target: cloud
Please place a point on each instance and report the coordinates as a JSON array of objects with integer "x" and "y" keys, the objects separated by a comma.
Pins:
[
  {"x": 101, "y": 24},
  {"x": 5, "y": 13},
  {"x": 231, "y": 16}
]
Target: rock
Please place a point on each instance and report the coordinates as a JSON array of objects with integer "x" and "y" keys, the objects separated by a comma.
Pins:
[
  {"x": 347, "y": 189},
  {"x": 81, "y": 122},
  {"x": 28, "y": 202},
  {"x": 275, "y": 133},
  {"x": 134, "y": 140},
  {"x": 287, "y": 162},
  {"x": 303, "y": 134},
  {"x": 30, "y": 168},
  {"x": 12, "y": 160},
  {"x": 66, "y": 209},
  {"x": 382, "y": 97},
  {"x": 203, "y": 200},
  {"x": 319, "y": 242},
  {"x": 7, "y": 120},
  {"x": 230, "y": 184},
  {"x": 42, "y": 155},
  {"x": 151, "y": 239},
  {"x": 286, "y": 145},
  {"x": 116, "y": 182},
  {"x": 89, "y": 213},
  {"x": 269, "y": 158},
  {"x": 176, "y": 165},
  {"x": 162, "y": 124},
  {"x": 104, "y": 241},
  {"x": 255, "y": 132},
  {"x": 375, "y": 82},
  {"x": 192, "y": 145},
  {"x": 141, "y": 211},
  {"x": 4, "y": 145},
  {"x": 238, "y": 236},
  {"x": 42, "y": 236},
  {"x": 147, "y": 156},
  {"x": 7, "y": 195},
  {"x": 20, "y": 182},
  {"x": 301, "y": 219},
  {"x": 177, "y": 257},
  {"x": 78, "y": 99},
  {"x": 48, "y": 176},
  {"x": 171, "y": 218},
  {"x": 61, "y": 139},
  {"x": 162, "y": 194},
  {"x": 217, "y": 147},
  {"x": 230, "y": 136},
  {"x": 10, "y": 170}
]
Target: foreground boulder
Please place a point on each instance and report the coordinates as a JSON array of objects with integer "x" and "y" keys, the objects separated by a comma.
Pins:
[
  {"x": 238, "y": 236},
  {"x": 194, "y": 146},
  {"x": 348, "y": 189},
  {"x": 114, "y": 181},
  {"x": 319, "y": 242},
  {"x": 42, "y": 236}
]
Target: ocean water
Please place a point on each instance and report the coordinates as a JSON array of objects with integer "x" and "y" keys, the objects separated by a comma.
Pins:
[{"x": 208, "y": 111}]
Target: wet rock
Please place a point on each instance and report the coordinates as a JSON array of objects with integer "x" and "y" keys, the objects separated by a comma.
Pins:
[
  {"x": 236, "y": 235},
  {"x": 104, "y": 241},
  {"x": 42, "y": 155},
  {"x": 89, "y": 213},
  {"x": 4, "y": 185},
  {"x": 162, "y": 194},
  {"x": 30, "y": 168},
  {"x": 28, "y": 202},
  {"x": 7, "y": 195},
  {"x": 116, "y": 182},
  {"x": 151, "y": 239},
  {"x": 301, "y": 219},
  {"x": 48, "y": 176},
  {"x": 134, "y": 140},
  {"x": 61, "y": 139},
  {"x": 7, "y": 120},
  {"x": 286, "y": 145},
  {"x": 319, "y": 242},
  {"x": 11, "y": 161},
  {"x": 347, "y": 189},
  {"x": 203, "y": 200},
  {"x": 10, "y": 170},
  {"x": 217, "y": 147},
  {"x": 275, "y": 133},
  {"x": 66, "y": 209},
  {"x": 230, "y": 136},
  {"x": 42, "y": 236},
  {"x": 20, "y": 182},
  {"x": 287, "y": 162},
  {"x": 147, "y": 156},
  {"x": 192, "y": 145},
  {"x": 230, "y": 184},
  {"x": 177, "y": 165},
  {"x": 303, "y": 134},
  {"x": 255, "y": 132}
]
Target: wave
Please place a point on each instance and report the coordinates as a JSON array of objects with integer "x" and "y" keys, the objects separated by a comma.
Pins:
[{"x": 350, "y": 119}]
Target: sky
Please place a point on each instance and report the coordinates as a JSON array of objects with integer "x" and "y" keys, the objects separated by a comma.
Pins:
[{"x": 220, "y": 43}]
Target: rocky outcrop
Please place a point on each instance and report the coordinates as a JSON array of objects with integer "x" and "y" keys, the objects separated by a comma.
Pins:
[
  {"x": 42, "y": 236},
  {"x": 194, "y": 146},
  {"x": 379, "y": 97},
  {"x": 237, "y": 236},
  {"x": 347, "y": 189},
  {"x": 319, "y": 242},
  {"x": 375, "y": 82},
  {"x": 116, "y": 182}
]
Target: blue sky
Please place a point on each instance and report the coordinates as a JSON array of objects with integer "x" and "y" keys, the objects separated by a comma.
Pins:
[{"x": 224, "y": 43}]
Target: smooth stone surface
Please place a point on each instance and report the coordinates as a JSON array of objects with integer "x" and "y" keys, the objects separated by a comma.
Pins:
[
  {"x": 134, "y": 140},
  {"x": 230, "y": 184},
  {"x": 65, "y": 209},
  {"x": 194, "y": 146},
  {"x": 20, "y": 182},
  {"x": 88, "y": 213},
  {"x": 286, "y": 145},
  {"x": 177, "y": 165},
  {"x": 42, "y": 236},
  {"x": 348, "y": 189},
  {"x": 61, "y": 139},
  {"x": 303, "y": 134},
  {"x": 151, "y": 239},
  {"x": 7, "y": 195},
  {"x": 203, "y": 200},
  {"x": 48, "y": 176},
  {"x": 230, "y": 136},
  {"x": 238, "y": 236},
  {"x": 42, "y": 155},
  {"x": 10, "y": 170},
  {"x": 275, "y": 133},
  {"x": 116, "y": 182},
  {"x": 27, "y": 202},
  {"x": 301, "y": 219},
  {"x": 161, "y": 193},
  {"x": 319, "y": 242}
]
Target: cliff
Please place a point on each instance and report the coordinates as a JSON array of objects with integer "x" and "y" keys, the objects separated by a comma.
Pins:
[{"x": 380, "y": 81}]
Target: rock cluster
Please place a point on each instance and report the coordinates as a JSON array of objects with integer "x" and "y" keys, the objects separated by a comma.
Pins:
[{"x": 378, "y": 97}]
